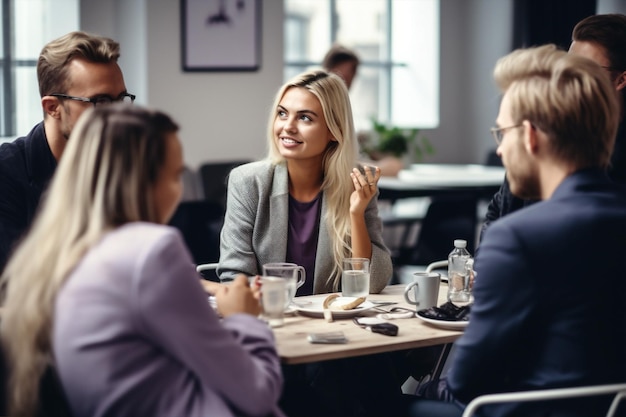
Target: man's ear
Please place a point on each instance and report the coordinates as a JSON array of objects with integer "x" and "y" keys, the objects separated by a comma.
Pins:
[
  {"x": 51, "y": 106},
  {"x": 531, "y": 140},
  {"x": 620, "y": 81}
]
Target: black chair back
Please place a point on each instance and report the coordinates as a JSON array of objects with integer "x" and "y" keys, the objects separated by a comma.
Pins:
[
  {"x": 52, "y": 399},
  {"x": 200, "y": 223},
  {"x": 214, "y": 176}
]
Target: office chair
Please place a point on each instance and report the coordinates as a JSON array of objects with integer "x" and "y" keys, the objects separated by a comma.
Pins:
[
  {"x": 618, "y": 391},
  {"x": 200, "y": 223},
  {"x": 214, "y": 177},
  {"x": 208, "y": 271},
  {"x": 52, "y": 399}
]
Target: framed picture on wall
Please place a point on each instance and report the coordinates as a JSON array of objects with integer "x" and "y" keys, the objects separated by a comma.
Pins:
[{"x": 220, "y": 35}]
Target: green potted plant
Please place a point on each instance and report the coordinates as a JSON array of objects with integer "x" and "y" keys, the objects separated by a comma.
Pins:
[{"x": 397, "y": 142}]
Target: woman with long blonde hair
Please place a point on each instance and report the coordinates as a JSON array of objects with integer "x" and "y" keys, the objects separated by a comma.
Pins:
[
  {"x": 307, "y": 202},
  {"x": 310, "y": 203},
  {"x": 104, "y": 292}
]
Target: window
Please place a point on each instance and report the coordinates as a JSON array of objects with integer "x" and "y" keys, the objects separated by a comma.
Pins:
[
  {"x": 27, "y": 25},
  {"x": 398, "y": 45}
]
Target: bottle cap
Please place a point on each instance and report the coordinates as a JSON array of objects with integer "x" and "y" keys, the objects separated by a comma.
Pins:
[{"x": 460, "y": 243}]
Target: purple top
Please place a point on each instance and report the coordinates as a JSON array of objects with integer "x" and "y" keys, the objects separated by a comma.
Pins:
[
  {"x": 134, "y": 335},
  {"x": 304, "y": 225}
]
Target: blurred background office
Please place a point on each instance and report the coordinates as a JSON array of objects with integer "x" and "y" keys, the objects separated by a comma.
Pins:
[{"x": 425, "y": 63}]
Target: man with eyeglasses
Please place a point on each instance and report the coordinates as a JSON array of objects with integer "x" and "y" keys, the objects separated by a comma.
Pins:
[
  {"x": 75, "y": 72},
  {"x": 601, "y": 38}
]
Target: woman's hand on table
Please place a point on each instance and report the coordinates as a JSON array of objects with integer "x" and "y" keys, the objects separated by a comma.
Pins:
[
  {"x": 210, "y": 287},
  {"x": 236, "y": 297}
]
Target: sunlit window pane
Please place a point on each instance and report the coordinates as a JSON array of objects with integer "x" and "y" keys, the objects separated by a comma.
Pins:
[
  {"x": 415, "y": 83},
  {"x": 33, "y": 24},
  {"x": 397, "y": 42}
]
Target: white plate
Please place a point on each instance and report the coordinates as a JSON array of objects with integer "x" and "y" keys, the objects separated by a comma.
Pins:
[
  {"x": 444, "y": 324},
  {"x": 314, "y": 307}
]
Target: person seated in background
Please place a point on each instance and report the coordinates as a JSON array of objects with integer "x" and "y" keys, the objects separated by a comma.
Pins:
[
  {"x": 541, "y": 318},
  {"x": 345, "y": 63},
  {"x": 75, "y": 72},
  {"x": 104, "y": 292},
  {"x": 342, "y": 61},
  {"x": 601, "y": 38}
]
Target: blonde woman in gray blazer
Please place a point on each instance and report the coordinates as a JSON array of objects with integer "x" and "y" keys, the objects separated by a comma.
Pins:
[{"x": 312, "y": 159}]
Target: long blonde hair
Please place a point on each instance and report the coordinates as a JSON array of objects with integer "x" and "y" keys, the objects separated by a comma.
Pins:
[
  {"x": 104, "y": 180},
  {"x": 338, "y": 161}
]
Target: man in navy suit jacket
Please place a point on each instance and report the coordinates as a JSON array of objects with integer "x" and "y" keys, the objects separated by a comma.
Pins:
[{"x": 550, "y": 284}]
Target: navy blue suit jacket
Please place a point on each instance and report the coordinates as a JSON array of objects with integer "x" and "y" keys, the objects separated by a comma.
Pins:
[
  {"x": 549, "y": 297},
  {"x": 26, "y": 167}
]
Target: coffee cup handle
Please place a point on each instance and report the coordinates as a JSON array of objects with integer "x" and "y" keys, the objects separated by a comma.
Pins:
[
  {"x": 301, "y": 276},
  {"x": 407, "y": 291}
]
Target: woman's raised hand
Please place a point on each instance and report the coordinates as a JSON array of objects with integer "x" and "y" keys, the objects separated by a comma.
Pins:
[{"x": 365, "y": 187}]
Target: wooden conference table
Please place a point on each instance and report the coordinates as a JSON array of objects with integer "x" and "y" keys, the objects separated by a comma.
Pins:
[
  {"x": 294, "y": 348},
  {"x": 427, "y": 180}
]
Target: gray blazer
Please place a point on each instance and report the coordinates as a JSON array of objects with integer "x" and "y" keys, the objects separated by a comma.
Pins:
[{"x": 256, "y": 225}]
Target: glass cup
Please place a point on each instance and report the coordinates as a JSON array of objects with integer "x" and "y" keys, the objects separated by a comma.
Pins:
[
  {"x": 294, "y": 276},
  {"x": 355, "y": 278},
  {"x": 273, "y": 294}
]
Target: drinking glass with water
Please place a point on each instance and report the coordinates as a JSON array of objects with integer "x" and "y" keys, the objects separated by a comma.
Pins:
[
  {"x": 294, "y": 276},
  {"x": 355, "y": 278}
]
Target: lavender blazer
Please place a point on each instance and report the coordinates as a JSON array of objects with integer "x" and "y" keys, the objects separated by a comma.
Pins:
[
  {"x": 134, "y": 335},
  {"x": 256, "y": 228}
]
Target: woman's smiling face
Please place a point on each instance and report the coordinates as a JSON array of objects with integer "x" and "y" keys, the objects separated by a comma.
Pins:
[{"x": 300, "y": 129}]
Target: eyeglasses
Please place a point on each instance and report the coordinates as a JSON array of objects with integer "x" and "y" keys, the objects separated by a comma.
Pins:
[
  {"x": 498, "y": 132},
  {"x": 100, "y": 100}
]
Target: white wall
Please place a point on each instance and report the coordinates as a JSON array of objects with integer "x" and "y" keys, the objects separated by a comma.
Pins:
[
  {"x": 474, "y": 34},
  {"x": 611, "y": 6},
  {"x": 223, "y": 115}
]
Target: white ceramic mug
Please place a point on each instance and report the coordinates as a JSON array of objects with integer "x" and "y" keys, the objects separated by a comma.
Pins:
[{"x": 425, "y": 288}]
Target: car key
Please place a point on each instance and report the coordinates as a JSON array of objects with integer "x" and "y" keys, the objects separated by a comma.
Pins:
[
  {"x": 388, "y": 329},
  {"x": 376, "y": 325}
]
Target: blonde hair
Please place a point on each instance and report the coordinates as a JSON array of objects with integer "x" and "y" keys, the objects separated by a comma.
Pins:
[
  {"x": 338, "y": 161},
  {"x": 104, "y": 180},
  {"x": 55, "y": 56},
  {"x": 568, "y": 97}
]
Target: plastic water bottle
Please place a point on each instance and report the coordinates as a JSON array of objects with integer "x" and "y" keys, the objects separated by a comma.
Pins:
[{"x": 459, "y": 273}]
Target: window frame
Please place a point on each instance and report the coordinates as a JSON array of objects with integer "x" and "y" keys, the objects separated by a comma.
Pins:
[{"x": 385, "y": 65}]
